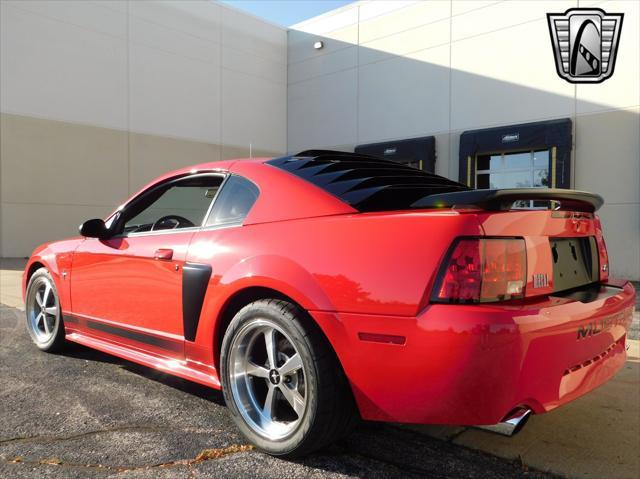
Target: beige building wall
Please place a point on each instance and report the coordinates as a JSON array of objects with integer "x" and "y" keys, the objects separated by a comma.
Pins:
[
  {"x": 99, "y": 97},
  {"x": 400, "y": 69}
]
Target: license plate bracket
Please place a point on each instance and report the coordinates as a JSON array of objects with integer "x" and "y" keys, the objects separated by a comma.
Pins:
[{"x": 575, "y": 262}]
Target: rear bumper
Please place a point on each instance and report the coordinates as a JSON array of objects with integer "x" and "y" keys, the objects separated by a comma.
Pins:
[{"x": 472, "y": 365}]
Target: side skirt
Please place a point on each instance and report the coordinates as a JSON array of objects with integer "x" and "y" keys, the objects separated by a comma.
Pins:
[
  {"x": 171, "y": 344},
  {"x": 170, "y": 366}
]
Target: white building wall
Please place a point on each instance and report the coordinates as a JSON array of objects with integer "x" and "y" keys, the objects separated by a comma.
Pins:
[
  {"x": 400, "y": 69},
  {"x": 99, "y": 97}
]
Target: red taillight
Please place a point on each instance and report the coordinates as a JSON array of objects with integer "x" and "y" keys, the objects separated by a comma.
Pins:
[
  {"x": 462, "y": 278},
  {"x": 483, "y": 270},
  {"x": 602, "y": 252}
]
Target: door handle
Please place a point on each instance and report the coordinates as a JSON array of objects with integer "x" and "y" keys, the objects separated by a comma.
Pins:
[{"x": 163, "y": 254}]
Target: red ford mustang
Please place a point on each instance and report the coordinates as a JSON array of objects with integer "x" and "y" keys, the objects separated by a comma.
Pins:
[{"x": 317, "y": 288}]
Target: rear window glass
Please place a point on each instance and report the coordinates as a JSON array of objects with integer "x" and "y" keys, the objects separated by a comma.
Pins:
[{"x": 365, "y": 182}]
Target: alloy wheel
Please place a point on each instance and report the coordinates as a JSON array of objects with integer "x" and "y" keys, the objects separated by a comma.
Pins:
[
  {"x": 43, "y": 310},
  {"x": 267, "y": 378}
]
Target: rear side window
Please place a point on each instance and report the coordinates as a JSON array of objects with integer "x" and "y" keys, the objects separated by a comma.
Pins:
[{"x": 234, "y": 202}]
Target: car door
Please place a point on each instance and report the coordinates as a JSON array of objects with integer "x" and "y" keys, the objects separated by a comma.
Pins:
[
  {"x": 216, "y": 246},
  {"x": 128, "y": 288}
]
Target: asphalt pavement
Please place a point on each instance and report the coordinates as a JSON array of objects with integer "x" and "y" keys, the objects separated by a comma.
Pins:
[{"x": 86, "y": 414}]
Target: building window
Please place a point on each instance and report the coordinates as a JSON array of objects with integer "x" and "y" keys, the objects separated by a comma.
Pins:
[
  {"x": 542, "y": 149},
  {"x": 524, "y": 169}
]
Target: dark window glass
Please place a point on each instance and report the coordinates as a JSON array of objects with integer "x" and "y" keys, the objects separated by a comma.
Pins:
[
  {"x": 483, "y": 181},
  {"x": 489, "y": 162},
  {"x": 178, "y": 204},
  {"x": 488, "y": 180},
  {"x": 483, "y": 163},
  {"x": 234, "y": 202}
]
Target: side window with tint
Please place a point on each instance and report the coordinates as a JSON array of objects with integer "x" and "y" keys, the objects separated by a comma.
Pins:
[
  {"x": 176, "y": 205},
  {"x": 234, "y": 202}
]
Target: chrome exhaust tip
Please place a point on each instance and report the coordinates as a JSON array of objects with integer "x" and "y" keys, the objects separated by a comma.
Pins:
[{"x": 512, "y": 424}]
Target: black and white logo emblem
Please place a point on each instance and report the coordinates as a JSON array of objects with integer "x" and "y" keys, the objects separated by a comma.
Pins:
[
  {"x": 274, "y": 377},
  {"x": 585, "y": 43}
]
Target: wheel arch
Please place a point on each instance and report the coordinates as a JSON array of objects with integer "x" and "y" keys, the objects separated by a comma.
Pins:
[
  {"x": 57, "y": 260},
  {"x": 247, "y": 295},
  {"x": 33, "y": 267},
  {"x": 235, "y": 303},
  {"x": 254, "y": 278}
]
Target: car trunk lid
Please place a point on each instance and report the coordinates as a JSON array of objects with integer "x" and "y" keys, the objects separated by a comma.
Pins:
[{"x": 565, "y": 249}]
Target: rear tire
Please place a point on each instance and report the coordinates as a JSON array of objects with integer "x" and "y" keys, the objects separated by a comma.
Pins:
[
  {"x": 43, "y": 311},
  {"x": 293, "y": 400}
]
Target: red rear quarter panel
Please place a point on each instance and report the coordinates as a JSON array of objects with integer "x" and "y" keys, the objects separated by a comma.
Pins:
[{"x": 346, "y": 263}]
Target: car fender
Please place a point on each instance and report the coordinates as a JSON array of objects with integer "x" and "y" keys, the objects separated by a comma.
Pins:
[
  {"x": 266, "y": 271},
  {"x": 57, "y": 258},
  {"x": 46, "y": 257}
]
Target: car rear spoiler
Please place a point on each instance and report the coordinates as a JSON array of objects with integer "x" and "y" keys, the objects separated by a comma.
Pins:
[{"x": 500, "y": 200}]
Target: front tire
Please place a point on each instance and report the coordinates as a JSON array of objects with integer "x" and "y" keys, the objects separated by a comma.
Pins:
[
  {"x": 282, "y": 381},
  {"x": 44, "y": 315}
]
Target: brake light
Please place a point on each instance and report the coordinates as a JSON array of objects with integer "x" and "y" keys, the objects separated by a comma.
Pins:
[
  {"x": 480, "y": 270},
  {"x": 462, "y": 279},
  {"x": 602, "y": 251}
]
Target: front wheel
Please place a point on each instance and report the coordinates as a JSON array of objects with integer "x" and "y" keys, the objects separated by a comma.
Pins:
[
  {"x": 282, "y": 382},
  {"x": 44, "y": 316}
]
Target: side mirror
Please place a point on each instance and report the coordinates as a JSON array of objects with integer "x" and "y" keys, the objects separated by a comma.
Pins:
[{"x": 94, "y": 229}]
